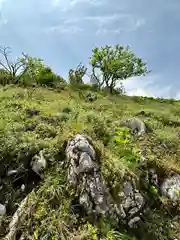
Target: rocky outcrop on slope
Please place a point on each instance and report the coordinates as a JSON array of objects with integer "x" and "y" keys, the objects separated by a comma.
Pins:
[
  {"x": 85, "y": 176},
  {"x": 93, "y": 197}
]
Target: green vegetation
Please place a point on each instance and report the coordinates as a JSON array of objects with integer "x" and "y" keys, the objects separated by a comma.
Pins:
[
  {"x": 26, "y": 71},
  {"x": 76, "y": 75},
  {"x": 38, "y": 118},
  {"x": 112, "y": 65},
  {"x": 34, "y": 118}
]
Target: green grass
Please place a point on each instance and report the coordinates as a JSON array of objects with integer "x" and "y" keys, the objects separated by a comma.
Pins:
[{"x": 39, "y": 118}]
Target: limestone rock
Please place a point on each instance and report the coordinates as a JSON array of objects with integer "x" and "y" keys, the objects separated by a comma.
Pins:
[
  {"x": 171, "y": 187},
  {"x": 84, "y": 175},
  {"x": 137, "y": 126},
  {"x": 132, "y": 204},
  {"x": 133, "y": 221},
  {"x": 39, "y": 164}
]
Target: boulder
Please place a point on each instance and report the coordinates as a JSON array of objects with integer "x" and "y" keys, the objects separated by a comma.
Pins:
[
  {"x": 136, "y": 125},
  {"x": 89, "y": 185}
]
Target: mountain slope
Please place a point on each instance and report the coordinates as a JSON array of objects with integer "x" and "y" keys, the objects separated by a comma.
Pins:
[{"x": 35, "y": 119}]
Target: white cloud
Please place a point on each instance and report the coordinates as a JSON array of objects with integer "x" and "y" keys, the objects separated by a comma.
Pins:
[
  {"x": 96, "y": 2},
  {"x": 146, "y": 86},
  {"x": 67, "y": 5},
  {"x": 177, "y": 96},
  {"x": 64, "y": 29},
  {"x": 127, "y": 25},
  {"x": 102, "y": 19},
  {"x": 103, "y": 23}
]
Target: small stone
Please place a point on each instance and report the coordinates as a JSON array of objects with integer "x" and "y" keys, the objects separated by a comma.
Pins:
[
  {"x": 128, "y": 190},
  {"x": 132, "y": 222},
  {"x": 133, "y": 211},
  {"x": 39, "y": 163},
  {"x": 2, "y": 210},
  {"x": 12, "y": 172},
  {"x": 22, "y": 187}
]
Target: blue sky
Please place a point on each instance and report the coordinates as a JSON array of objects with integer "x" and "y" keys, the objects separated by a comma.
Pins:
[{"x": 63, "y": 32}]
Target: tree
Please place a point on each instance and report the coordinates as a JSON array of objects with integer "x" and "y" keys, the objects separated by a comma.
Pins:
[
  {"x": 5, "y": 77},
  {"x": 47, "y": 77},
  {"x": 31, "y": 68},
  {"x": 21, "y": 67},
  {"x": 76, "y": 75},
  {"x": 10, "y": 67},
  {"x": 26, "y": 70},
  {"x": 112, "y": 65}
]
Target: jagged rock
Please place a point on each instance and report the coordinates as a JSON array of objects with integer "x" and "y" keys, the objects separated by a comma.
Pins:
[
  {"x": 84, "y": 174},
  {"x": 137, "y": 126},
  {"x": 143, "y": 158},
  {"x": 171, "y": 187},
  {"x": 2, "y": 210},
  {"x": 152, "y": 177},
  {"x": 128, "y": 189},
  {"x": 132, "y": 223},
  {"x": 93, "y": 194},
  {"x": 132, "y": 203}
]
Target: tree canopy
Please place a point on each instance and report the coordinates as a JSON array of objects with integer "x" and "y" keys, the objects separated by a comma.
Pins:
[
  {"x": 112, "y": 65},
  {"x": 25, "y": 70}
]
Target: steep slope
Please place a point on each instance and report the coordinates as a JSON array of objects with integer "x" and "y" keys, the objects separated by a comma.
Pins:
[{"x": 147, "y": 166}]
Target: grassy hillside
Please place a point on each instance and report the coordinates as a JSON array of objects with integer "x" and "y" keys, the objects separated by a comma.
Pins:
[{"x": 40, "y": 118}]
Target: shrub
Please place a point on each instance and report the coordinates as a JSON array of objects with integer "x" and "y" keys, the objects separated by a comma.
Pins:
[
  {"x": 47, "y": 77},
  {"x": 76, "y": 75},
  {"x": 5, "y": 77}
]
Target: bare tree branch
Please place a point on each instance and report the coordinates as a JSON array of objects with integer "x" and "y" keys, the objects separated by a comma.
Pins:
[
  {"x": 16, "y": 69},
  {"x": 5, "y": 51}
]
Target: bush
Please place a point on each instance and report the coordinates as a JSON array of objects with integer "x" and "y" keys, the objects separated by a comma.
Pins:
[
  {"x": 5, "y": 77},
  {"x": 47, "y": 77},
  {"x": 76, "y": 75}
]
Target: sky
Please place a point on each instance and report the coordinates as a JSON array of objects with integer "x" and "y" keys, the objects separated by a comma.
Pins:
[{"x": 63, "y": 33}]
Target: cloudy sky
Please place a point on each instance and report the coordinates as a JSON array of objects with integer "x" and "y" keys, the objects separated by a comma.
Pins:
[{"x": 63, "y": 32}]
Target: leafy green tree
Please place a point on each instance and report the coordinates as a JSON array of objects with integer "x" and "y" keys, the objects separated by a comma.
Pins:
[
  {"x": 47, "y": 77},
  {"x": 76, "y": 75},
  {"x": 22, "y": 68},
  {"x": 26, "y": 70},
  {"x": 31, "y": 67},
  {"x": 112, "y": 65},
  {"x": 36, "y": 72}
]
